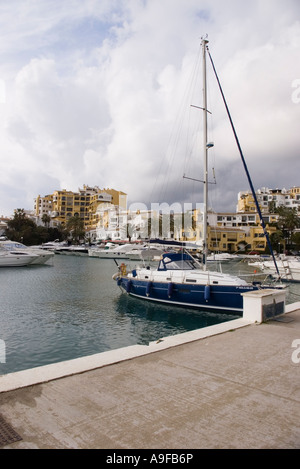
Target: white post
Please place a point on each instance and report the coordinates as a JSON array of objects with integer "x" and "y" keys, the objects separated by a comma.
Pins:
[{"x": 261, "y": 305}]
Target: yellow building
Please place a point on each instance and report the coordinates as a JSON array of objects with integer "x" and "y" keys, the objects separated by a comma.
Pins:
[
  {"x": 224, "y": 239},
  {"x": 63, "y": 204},
  {"x": 246, "y": 202},
  {"x": 228, "y": 232},
  {"x": 295, "y": 192},
  {"x": 269, "y": 199}
]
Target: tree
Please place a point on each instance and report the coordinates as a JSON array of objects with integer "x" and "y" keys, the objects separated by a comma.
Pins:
[
  {"x": 21, "y": 228},
  {"x": 24, "y": 230},
  {"x": 287, "y": 222},
  {"x": 276, "y": 240},
  {"x": 75, "y": 226},
  {"x": 46, "y": 220},
  {"x": 296, "y": 240}
]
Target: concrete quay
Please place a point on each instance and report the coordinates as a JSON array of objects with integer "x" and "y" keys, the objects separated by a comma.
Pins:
[{"x": 233, "y": 385}]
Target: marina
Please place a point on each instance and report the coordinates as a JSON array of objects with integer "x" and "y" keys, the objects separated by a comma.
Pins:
[
  {"x": 52, "y": 313},
  {"x": 149, "y": 271},
  {"x": 72, "y": 309}
]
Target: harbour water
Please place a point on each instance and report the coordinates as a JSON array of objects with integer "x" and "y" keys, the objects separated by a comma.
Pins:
[{"x": 73, "y": 308}]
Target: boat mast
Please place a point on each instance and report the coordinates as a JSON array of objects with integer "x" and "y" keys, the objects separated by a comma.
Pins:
[{"x": 205, "y": 151}]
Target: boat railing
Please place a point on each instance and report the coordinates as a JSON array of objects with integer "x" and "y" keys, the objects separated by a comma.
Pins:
[{"x": 261, "y": 278}]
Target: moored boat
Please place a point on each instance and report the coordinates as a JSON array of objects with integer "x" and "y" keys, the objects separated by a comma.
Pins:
[
  {"x": 111, "y": 251},
  {"x": 289, "y": 268},
  {"x": 145, "y": 254},
  {"x": 179, "y": 279},
  {"x": 72, "y": 250},
  {"x": 14, "y": 247},
  {"x": 15, "y": 259}
]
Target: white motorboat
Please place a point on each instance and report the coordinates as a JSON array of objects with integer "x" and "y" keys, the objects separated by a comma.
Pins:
[
  {"x": 145, "y": 253},
  {"x": 111, "y": 251},
  {"x": 289, "y": 268},
  {"x": 14, "y": 247},
  {"x": 52, "y": 245},
  {"x": 15, "y": 258}
]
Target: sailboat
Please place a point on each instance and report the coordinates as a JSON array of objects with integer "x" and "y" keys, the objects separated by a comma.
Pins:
[{"x": 179, "y": 278}]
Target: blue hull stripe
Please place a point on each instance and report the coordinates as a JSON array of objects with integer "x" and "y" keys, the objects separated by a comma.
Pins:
[{"x": 225, "y": 298}]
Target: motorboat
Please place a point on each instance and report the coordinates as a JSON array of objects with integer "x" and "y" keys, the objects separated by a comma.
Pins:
[
  {"x": 14, "y": 247},
  {"x": 289, "y": 268},
  {"x": 15, "y": 258},
  {"x": 111, "y": 251},
  {"x": 145, "y": 254},
  {"x": 80, "y": 250},
  {"x": 52, "y": 245}
]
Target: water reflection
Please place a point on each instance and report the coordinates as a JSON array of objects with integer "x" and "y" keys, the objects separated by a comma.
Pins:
[{"x": 152, "y": 321}]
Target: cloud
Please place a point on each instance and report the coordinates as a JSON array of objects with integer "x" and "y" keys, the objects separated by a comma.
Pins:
[{"x": 94, "y": 92}]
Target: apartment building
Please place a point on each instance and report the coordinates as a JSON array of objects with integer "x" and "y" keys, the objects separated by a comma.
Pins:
[
  {"x": 233, "y": 240},
  {"x": 269, "y": 199},
  {"x": 63, "y": 204},
  {"x": 105, "y": 216},
  {"x": 230, "y": 232}
]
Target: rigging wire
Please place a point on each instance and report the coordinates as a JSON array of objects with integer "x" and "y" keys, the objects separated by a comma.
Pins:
[
  {"x": 184, "y": 143},
  {"x": 245, "y": 167},
  {"x": 183, "y": 135}
]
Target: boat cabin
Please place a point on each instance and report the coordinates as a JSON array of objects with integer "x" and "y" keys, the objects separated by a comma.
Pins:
[{"x": 177, "y": 261}]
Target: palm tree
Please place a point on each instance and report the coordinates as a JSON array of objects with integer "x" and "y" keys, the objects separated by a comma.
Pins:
[
  {"x": 46, "y": 220},
  {"x": 287, "y": 222},
  {"x": 75, "y": 226}
]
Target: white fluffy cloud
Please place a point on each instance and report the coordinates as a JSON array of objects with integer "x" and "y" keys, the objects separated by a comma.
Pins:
[{"x": 91, "y": 93}]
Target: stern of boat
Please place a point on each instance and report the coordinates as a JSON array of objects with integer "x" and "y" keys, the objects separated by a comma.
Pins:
[{"x": 121, "y": 277}]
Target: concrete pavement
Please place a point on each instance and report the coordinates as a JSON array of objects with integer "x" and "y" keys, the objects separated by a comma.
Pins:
[{"x": 236, "y": 387}]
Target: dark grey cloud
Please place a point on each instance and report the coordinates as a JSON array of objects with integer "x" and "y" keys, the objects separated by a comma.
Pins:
[{"x": 94, "y": 93}]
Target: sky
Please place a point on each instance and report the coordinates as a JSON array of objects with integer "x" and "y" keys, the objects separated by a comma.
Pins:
[{"x": 101, "y": 92}]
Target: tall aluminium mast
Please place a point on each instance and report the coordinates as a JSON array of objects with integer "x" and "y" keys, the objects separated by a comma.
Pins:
[{"x": 205, "y": 150}]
